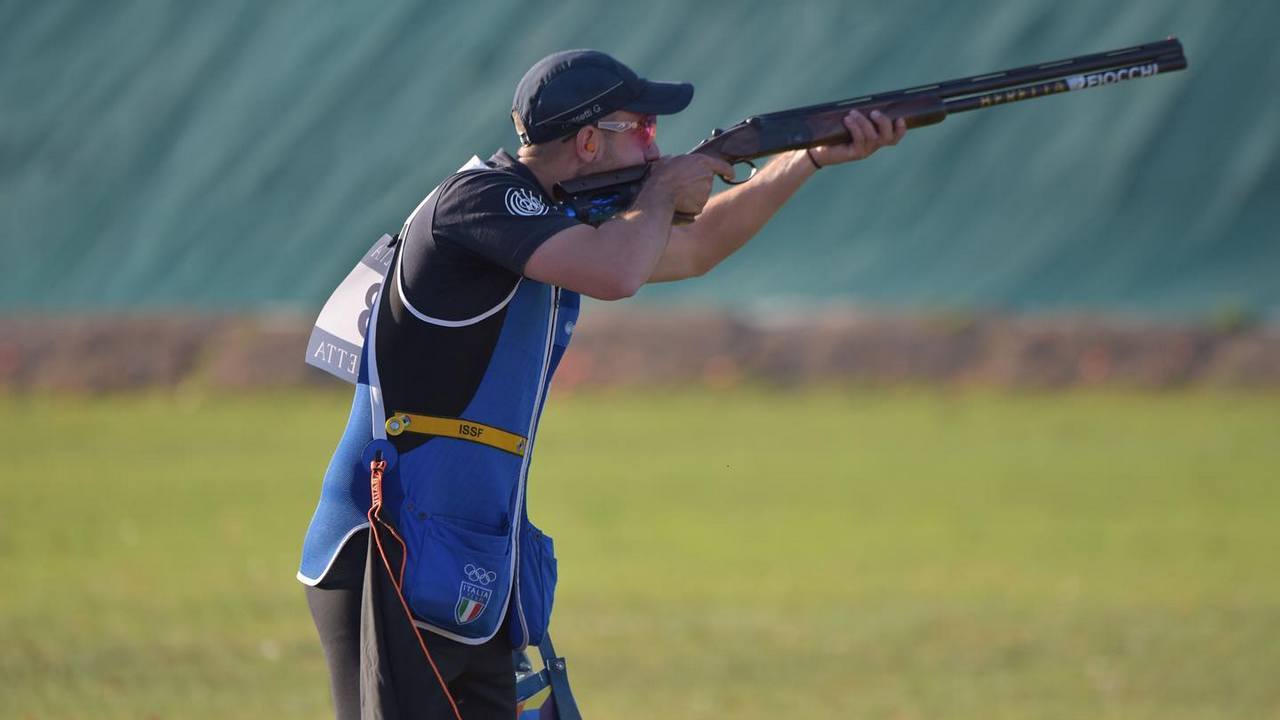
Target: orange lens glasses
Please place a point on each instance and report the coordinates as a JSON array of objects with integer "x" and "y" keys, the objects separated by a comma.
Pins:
[{"x": 646, "y": 128}]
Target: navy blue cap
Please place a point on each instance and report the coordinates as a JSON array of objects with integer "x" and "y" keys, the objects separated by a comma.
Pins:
[{"x": 571, "y": 89}]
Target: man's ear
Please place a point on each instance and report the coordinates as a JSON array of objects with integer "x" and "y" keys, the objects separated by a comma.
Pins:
[{"x": 587, "y": 144}]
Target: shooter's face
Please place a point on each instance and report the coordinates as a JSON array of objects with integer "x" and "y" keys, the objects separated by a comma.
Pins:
[{"x": 628, "y": 139}]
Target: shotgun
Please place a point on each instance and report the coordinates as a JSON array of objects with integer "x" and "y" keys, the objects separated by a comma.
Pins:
[{"x": 597, "y": 198}]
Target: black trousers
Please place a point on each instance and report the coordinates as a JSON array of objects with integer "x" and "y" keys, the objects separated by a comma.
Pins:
[{"x": 377, "y": 669}]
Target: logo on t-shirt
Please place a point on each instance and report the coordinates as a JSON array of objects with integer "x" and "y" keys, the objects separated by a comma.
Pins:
[{"x": 525, "y": 202}]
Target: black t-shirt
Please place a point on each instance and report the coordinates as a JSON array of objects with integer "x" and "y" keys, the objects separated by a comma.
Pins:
[{"x": 467, "y": 257}]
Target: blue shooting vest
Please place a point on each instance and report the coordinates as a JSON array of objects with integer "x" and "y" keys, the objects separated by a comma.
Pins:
[{"x": 459, "y": 506}]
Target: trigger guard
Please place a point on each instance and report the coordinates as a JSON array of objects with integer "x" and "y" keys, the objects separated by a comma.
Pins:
[{"x": 752, "y": 174}]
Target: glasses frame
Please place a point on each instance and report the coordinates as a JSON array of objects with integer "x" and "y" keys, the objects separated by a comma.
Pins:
[{"x": 648, "y": 124}]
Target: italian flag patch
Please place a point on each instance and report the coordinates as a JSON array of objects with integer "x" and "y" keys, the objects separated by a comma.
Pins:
[{"x": 472, "y": 600}]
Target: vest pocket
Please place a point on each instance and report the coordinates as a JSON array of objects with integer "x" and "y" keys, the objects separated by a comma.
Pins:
[
  {"x": 458, "y": 578},
  {"x": 537, "y": 580}
]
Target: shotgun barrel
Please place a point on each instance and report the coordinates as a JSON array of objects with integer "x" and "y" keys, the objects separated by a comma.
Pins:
[
  {"x": 1167, "y": 54},
  {"x": 823, "y": 124}
]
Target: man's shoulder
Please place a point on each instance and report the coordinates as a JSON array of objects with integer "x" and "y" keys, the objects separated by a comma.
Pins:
[{"x": 491, "y": 189}]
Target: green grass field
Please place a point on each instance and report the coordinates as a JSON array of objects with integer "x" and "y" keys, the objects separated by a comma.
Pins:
[{"x": 832, "y": 553}]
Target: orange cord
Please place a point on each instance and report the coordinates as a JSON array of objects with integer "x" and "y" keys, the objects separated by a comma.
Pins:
[{"x": 376, "y": 468}]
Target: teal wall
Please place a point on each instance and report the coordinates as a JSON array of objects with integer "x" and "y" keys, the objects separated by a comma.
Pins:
[{"x": 234, "y": 155}]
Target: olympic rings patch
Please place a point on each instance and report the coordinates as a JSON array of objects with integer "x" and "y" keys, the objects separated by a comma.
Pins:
[{"x": 479, "y": 574}]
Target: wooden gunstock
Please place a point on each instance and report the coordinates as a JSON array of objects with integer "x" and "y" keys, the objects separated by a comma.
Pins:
[{"x": 763, "y": 135}]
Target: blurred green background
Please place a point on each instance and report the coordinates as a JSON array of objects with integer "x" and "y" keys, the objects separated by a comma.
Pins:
[
  {"x": 234, "y": 154},
  {"x": 831, "y": 552}
]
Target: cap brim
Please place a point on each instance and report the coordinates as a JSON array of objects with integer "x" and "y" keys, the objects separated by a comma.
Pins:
[{"x": 661, "y": 98}]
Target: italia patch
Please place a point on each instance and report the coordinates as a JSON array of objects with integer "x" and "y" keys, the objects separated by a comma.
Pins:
[{"x": 472, "y": 600}]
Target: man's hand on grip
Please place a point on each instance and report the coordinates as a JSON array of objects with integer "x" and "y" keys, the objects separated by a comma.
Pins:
[{"x": 688, "y": 179}]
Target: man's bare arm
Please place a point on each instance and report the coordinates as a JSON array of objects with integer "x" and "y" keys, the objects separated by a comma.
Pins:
[
  {"x": 731, "y": 218},
  {"x": 734, "y": 216}
]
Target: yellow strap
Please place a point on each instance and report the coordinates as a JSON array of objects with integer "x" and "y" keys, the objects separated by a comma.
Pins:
[{"x": 456, "y": 428}]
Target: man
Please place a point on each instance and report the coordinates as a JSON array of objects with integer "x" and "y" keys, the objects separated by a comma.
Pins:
[{"x": 420, "y": 600}]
